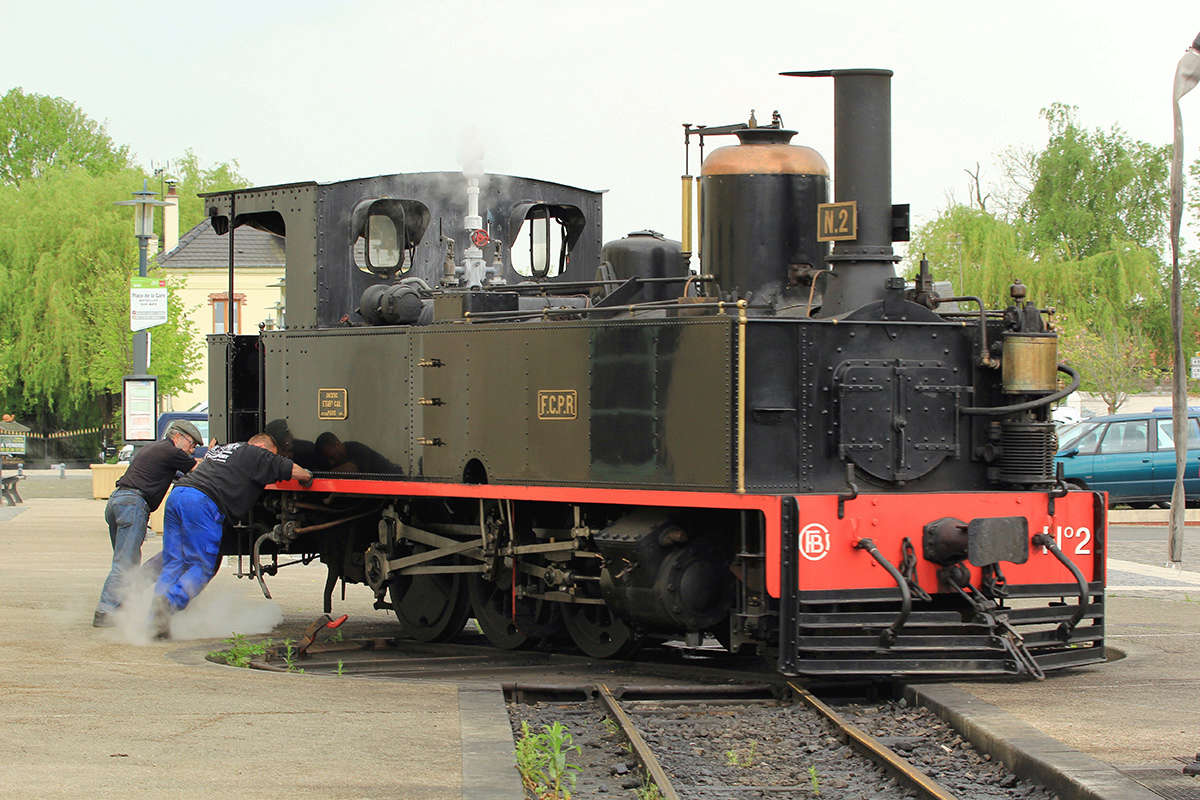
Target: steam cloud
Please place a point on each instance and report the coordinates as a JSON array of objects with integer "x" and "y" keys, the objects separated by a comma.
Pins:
[
  {"x": 217, "y": 612},
  {"x": 471, "y": 151}
]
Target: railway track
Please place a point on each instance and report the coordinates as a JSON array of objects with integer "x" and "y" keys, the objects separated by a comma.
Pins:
[
  {"x": 910, "y": 778},
  {"x": 695, "y": 724}
]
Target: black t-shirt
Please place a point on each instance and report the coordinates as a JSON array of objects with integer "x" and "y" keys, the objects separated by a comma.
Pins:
[
  {"x": 233, "y": 476},
  {"x": 153, "y": 468}
]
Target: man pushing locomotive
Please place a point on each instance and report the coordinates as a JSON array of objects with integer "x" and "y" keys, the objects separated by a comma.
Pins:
[
  {"x": 138, "y": 493},
  {"x": 225, "y": 485}
]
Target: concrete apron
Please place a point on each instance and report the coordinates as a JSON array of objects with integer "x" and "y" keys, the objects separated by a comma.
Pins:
[
  {"x": 88, "y": 713},
  {"x": 1024, "y": 749}
]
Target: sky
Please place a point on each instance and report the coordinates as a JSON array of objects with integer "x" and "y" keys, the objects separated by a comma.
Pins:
[{"x": 592, "y": 94}]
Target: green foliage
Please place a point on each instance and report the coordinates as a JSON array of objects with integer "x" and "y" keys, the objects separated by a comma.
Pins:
[
  {"x": 1085, "y": 228},
  {"x": 978, "y": 252},
  {"x": 39, "y": 134},
  {"x": 195, "y": 179},
  {"x": 1113, "y": 362},
  {"x": 240, "y": 652},
  {"x": 542, "y": 761},
  {"x": 1094, "y": 189},
  {"x": 66, "y": 256},
  {"x": 289, "y": 658},
  {"x": 648, "y": 790},
  {"x": 65, "y": 262},
  {"x": 814, "y": 781},
  {"x": 743, "y": 757}
]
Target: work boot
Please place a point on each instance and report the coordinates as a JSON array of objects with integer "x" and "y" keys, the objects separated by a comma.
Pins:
[
  {"x": 103, "y": 619},
  {"x": 160, "y": 618}
]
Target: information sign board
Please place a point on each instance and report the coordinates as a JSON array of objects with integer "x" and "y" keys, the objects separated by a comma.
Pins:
[
  {"x": 139, "y": 407},
  {"x": 147, "y": 303}
]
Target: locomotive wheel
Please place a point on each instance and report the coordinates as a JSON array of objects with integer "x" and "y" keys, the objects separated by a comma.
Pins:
[
  {"x": 492, "y": 606},
  {"x": 598, "y": 632},
  {"x": 430, "y": 608}
]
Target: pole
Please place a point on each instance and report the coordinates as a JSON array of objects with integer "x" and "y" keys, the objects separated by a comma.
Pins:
[
  {"x": 231, "y": 347},
  {"x": 1187, "y": 74},
  {"x": 140, "y": 352}
]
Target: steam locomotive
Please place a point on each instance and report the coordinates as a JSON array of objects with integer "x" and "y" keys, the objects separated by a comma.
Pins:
[{"x": 792, "y": 450}]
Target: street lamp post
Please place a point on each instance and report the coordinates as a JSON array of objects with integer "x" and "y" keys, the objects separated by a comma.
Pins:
[
  {"x": 139, "y": 391},
  {"x": 143, "y": 228}
]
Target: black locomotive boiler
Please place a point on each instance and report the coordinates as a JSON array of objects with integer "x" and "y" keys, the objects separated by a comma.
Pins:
[{"x": 792, "y": 450}]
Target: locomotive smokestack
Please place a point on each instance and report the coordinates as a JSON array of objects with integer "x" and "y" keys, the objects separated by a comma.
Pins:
[{"x": 862, "y": 170}]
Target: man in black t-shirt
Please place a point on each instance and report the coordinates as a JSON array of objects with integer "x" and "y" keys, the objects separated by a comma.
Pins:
[
  {"x": 225, "y": 485},
  {"x": 138, "y": 493}
]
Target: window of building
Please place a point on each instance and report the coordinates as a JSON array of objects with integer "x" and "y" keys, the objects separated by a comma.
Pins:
[{"x": 219, "y": 303}]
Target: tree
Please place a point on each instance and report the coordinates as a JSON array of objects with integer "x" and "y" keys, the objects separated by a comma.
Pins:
[
  {"x": 195, "y": 179},
  {"x": 39, "y": 134},
  {"x": 979, "y": 253},
  {"x": 1082, "y": 222},
  {"x": 1113, "y": 364},
  {"x": 65, "y": 263},
  {"x": 1092, "y": 189}
]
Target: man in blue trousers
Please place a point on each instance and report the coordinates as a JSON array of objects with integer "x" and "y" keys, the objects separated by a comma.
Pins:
[
  {"x": 138, "y": 493},
  {"x": 225, "y": 485}
]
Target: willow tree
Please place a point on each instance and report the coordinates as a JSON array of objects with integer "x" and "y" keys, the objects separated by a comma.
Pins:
[
  {"x": 978, "y": 252},
  {"x": 1083, "y": 227},
  {"x": 66, "y": 257},
  {"x": 1093, "y": 189},
  {"x": 195, "y": 179}
]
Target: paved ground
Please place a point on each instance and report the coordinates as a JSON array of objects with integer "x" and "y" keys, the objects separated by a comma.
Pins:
[
  {"x": 94, "y": 713},
  {"x": 105, "y": 714},
  {"x": 1143, "y": 709}
]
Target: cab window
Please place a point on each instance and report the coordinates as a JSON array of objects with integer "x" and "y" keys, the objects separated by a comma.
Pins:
[
  {"x": 1166, "y": 441},
  {"x": 539, "y": 249},
  {"x": 1125, "y": 437}
]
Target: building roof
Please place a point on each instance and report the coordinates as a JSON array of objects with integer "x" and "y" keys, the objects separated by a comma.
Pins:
[{"x": 201, "y": 248}]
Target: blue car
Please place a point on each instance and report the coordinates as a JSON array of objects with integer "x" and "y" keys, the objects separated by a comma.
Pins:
[
  {"x": 1130, "y": 456},
  {"x": 199, "y": 419}
]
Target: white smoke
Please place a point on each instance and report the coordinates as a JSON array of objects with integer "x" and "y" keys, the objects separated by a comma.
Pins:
[
  {"x": 471, "y": 151},
  {"x": 219, "y": 611}
]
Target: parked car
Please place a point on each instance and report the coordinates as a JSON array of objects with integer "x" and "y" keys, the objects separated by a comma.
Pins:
[
  {"x": 200, "y": 420},
  {"x": 1130, "y": 456},
  {"x": 1065, "y": 415}
]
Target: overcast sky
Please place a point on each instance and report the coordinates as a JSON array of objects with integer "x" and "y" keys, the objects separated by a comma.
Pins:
[{"x": 590, "y": 94}]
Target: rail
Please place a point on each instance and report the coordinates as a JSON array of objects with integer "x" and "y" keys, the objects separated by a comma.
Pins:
[
  {"x": 875, "y": 750},
  {"x": 641, "y": 750}
]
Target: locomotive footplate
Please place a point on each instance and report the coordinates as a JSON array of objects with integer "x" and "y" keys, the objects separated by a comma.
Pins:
[{"x": 839, "y": 635}]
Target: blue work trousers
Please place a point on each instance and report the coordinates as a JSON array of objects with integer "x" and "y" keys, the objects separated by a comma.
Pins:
[
  {"x": 191, "y": 546},
  {"x": 126, "y": 515}
]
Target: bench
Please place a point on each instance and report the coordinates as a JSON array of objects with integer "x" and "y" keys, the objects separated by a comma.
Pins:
[{"x": 8, "y": 489}]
